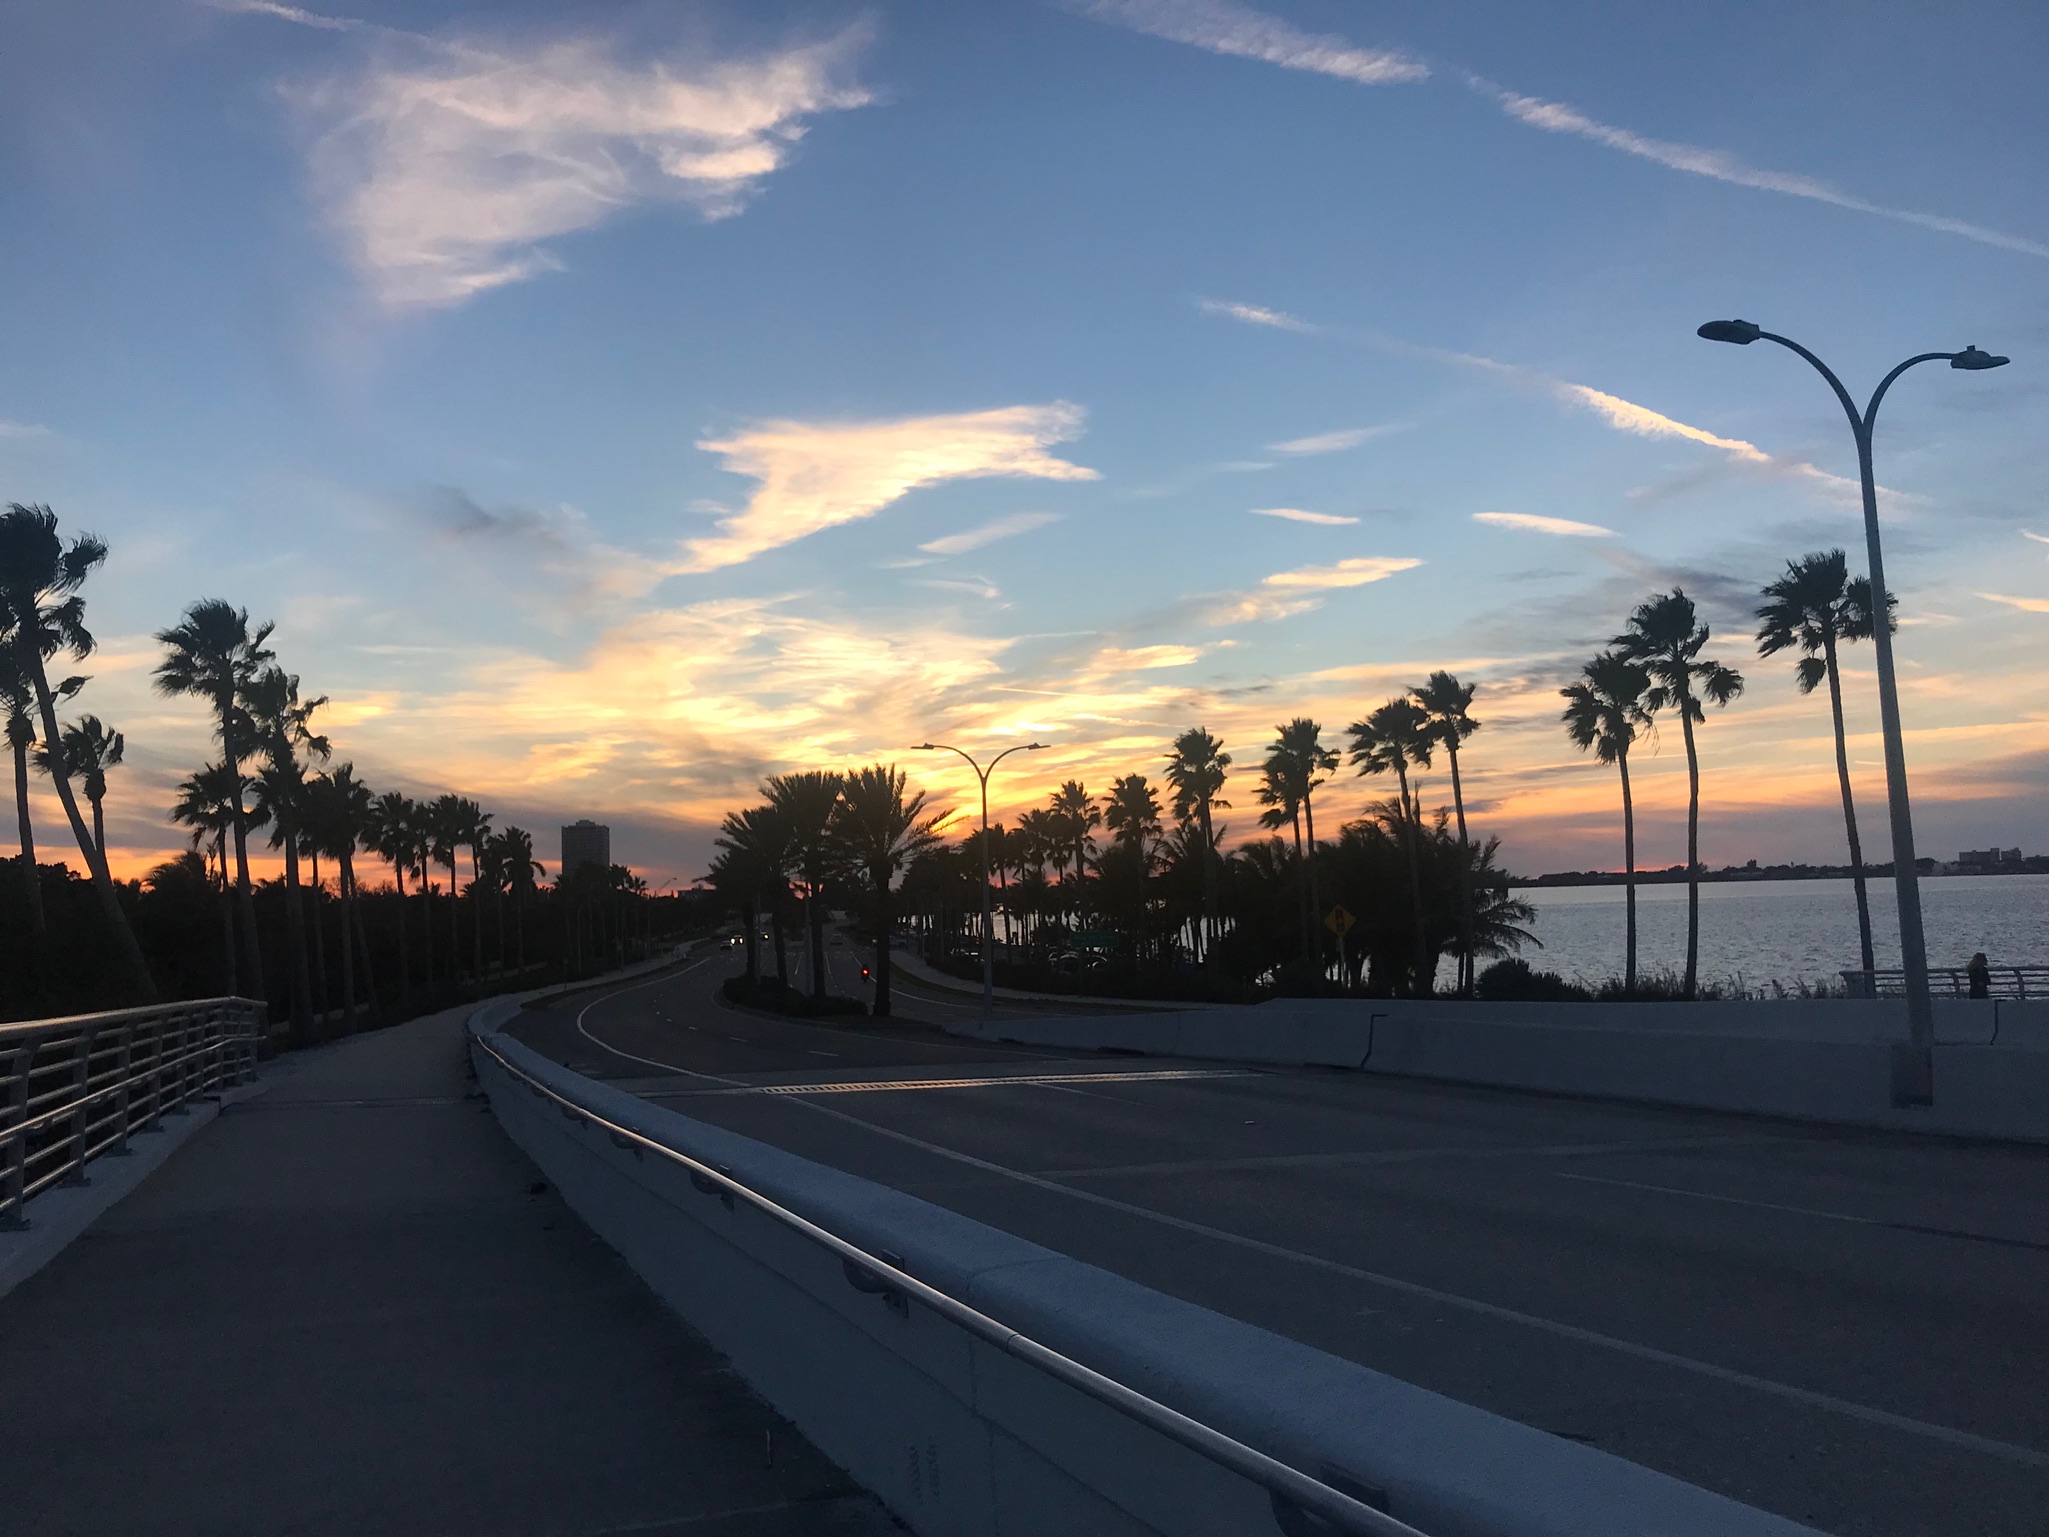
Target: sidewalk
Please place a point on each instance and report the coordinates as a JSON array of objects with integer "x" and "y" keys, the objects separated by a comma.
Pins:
[{"x": 347, "y": 1307}]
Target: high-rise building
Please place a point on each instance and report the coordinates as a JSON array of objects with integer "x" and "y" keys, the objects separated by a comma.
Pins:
[{"x": 586, "y": 843}]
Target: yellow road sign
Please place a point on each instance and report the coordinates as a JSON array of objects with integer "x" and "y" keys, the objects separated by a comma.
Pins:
[{"x": 1338, "y": 921}]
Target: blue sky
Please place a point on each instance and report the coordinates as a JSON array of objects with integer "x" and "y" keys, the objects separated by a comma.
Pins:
[{"x": 616, "y": 402}]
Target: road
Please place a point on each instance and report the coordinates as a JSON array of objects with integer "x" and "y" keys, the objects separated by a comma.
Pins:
[{"x": 1849, "y": 1328}]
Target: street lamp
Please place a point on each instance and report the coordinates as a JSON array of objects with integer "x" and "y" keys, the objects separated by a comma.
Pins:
[
  {"x": 1913, "y": 1063},
  {"x": 988, "y": 937}
]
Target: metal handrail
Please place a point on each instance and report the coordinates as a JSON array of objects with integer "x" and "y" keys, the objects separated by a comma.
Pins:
[
  {"x": 1290, "y": 1489},
  {"x": 76, "y": 1088},
  {"x": 2019, "y": 982}
]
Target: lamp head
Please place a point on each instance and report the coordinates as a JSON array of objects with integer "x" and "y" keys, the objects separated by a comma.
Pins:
[
  {"x": 923, "y": 747},
  {"x": 1036, "y": 746},
  {"x": 1741, "y": 332},
  {"x": 1975, "y": 360}
]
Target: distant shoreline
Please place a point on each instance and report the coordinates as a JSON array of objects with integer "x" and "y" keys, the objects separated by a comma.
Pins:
[{"x": 1675, "y": 875}]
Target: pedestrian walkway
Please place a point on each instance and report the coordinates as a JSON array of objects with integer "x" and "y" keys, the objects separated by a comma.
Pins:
[{"x": 348, "y": 1306}]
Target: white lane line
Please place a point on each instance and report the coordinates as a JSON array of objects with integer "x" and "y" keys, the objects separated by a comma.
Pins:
[
  {"x": 1812, "y": 1211},
  {"x": 1399, "y": 1155},
  {"x": 2027, "y": 1456},
  {"x": 667, "y": 1067}
]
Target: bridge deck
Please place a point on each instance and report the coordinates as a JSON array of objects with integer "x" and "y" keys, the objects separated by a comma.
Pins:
[{"x": 343, "y": 1309}]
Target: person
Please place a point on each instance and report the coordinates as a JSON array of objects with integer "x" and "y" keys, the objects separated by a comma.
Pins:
[{"x": 1980, "y": 975}]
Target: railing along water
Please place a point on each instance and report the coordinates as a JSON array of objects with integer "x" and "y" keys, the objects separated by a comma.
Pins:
[
  {"x": 1302, "y": 1506},
  {"x": 74, "y": 1089},
  {"x": 1952, "y": 982}
]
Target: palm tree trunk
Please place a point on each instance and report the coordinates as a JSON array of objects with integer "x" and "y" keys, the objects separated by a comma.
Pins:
[
  {"x": 30, "y": 876},
  {"x": 476, "y": 917},
  {"x": 454, "y": 925},
  {"x": 99, "y": 824},
  {"x": 295, "y": 937},
  {"x": 362, "y": 944},
  {"x": 882, "y": 948},
  {"x": 1835, "y": 701},
  {"x": 426, "y": 925},
  {"x": 1465, "y": 876},
  {"x": 1692, "y": 853},
  {"x": 1426, "y": 981},
  {"x": 127, "y": 951},
  {"x": 321, "y": 997},
  {"x": 1315, "y": 891},
  {"x": 498, "y": 901},
  {"x": 753, "y": 940},
  {"x": 782, "y": 957},
  {"x": 814, "y": 914},
  {"x": 347, "y": 904},
  {"x": 1209, "y": 881},
  {"x": 519, "y": 923},
  {"x": 245, "y": 900},
  {"x": 405, "y": 968},
  {"x": 1628, "y": 876},
  {"x": 1301, "y": 881},
  {"x": 220, "y": 849}
]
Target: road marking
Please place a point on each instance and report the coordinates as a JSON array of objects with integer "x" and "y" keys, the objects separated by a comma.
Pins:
[
  {"x": 1364, "y": 1157},
  {"x": 2027, "y": 1456},
  {"x": 666, "y": 1067},
  {"x": 1052, "y": 1080},
  {"x": 1811, "y": 1211}
]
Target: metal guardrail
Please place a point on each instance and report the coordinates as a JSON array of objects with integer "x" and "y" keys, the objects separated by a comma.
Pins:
[
  {"x": 77, "y": 1088},
  {"x": 1302, "y": 1506},
  {"x": 1952, "y": 982}
]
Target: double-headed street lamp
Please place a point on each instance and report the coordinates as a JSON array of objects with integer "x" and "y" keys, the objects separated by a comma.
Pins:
[
  {"x": 988, "y": 937},
  {"x": 1913, "y": 1062}
]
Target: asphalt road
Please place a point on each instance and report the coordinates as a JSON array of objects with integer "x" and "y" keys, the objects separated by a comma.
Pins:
[{"x": 1851, "y": 1329}]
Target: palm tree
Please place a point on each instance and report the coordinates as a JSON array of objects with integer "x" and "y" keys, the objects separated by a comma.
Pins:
[
  {"x": 212, "y": 654},
  {"x": 516, "y": 858},
  {"x": 476, "y": 829},
  {"x": 1298, "y": 759},
  {"x": 279, "y": 727},
  {"x": 1816, "y": 607},
  {"x": 206, "y": 803},
  {"x": 805, "y": 802},
  {"x": 1393, "y": 737},
  {"x": 41, "y": 614},
  {"x": 1603, "y": 712},
  {"x": 1197, "y": 766},
  {"x": 389, "y": 835},
  {"x": 17, "y": 699},
  {"x": 446, "y": 823},
  {"x": 1445, "y": 703},
  {"x": 422, "y": 819},
  {"x": 758, "y": 846},
  {"x": 1132, "y": 814},
  {"x": 1283, "y": 801},
  {"x": 89, "y": 749},
  {"x": 341, "y": 819},
  {"x": 1666, "y": 636},
  {"x": 1080, "y": 816},
  {"x": 877, "y": 831}
]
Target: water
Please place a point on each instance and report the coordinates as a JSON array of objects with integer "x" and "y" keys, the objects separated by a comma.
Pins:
[{"x": 1787, "y": 931}]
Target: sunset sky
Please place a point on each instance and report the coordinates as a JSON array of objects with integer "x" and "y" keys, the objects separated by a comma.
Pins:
[{"x": 614, "y": 403}]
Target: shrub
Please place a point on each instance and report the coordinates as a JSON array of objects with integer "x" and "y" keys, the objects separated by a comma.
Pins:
[{"x": 1513, "y": 981}]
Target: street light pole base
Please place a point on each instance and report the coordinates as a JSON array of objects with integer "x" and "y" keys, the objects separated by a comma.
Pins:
[{"x": 1913, "y": 1075}]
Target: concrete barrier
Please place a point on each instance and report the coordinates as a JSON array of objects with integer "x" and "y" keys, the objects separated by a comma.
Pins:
[
  {"x": 1810, "y": 1059},
  {"x": 963, "y": 1440}
]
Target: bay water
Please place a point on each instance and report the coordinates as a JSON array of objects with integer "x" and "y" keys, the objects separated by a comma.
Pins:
[{"x": 1755, "y": 933}]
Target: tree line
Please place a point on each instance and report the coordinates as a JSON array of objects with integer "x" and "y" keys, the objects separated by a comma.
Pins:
[{"x": 274, "y": 777}]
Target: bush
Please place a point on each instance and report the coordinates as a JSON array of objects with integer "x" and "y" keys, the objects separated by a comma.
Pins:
[
  {"x": 1513, "y": 981},
  {"x": 780, "y": 998}
]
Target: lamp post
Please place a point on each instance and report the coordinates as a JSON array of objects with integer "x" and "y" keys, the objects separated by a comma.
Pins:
[
  {"x": 1913, "y": 1062},
  {"x": 988, "y": 937}
]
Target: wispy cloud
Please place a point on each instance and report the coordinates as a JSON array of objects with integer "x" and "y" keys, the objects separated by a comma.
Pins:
[
  {"x": 1556, "y": 117},
  {"x": 1297, "y": 515},
  {"x": 1356, "y": 572},
  {"x": 1218, "y": 26},
  {"x": 1117, "y": 659},
  {"x": 291, "y": 13},
  {"x": 2031, "y": 605},
  {"x": 815, "y": 475},
  {"x": 1255, "y": 315},
  {"x": 979, "y": 586},
  {"x": 2038, "y": 538},
  {"x": 1331, "y": 442},
  {"x": 448, "y": 168},
  {"x": 1530, "y": 522},
  {"x": 23, "y": 431},
  {"x": 996, "y": 528}
]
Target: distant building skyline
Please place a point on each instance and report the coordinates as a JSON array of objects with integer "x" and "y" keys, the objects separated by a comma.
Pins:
[{"x": 585, "y": 842}]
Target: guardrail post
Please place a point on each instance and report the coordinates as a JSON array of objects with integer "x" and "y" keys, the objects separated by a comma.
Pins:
[
  {"x": 81, "y": 1071},
  {"x": 121, "y": 1149},
  {"x": 14, "y": 1169}
]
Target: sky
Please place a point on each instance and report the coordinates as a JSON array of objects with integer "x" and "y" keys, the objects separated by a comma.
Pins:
[{"x": 615, "y": 403}]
